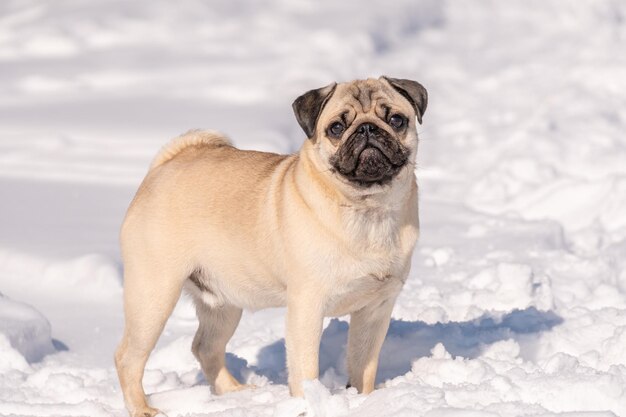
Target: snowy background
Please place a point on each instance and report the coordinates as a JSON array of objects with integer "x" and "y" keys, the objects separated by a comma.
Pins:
[{"x": 516, "y": 303}]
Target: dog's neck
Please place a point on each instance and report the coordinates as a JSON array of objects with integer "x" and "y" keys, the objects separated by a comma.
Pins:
[{"x": 374, "y": 221}]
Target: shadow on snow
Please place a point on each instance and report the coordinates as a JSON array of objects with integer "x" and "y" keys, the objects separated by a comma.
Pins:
[{"x": 406, "y": 341}]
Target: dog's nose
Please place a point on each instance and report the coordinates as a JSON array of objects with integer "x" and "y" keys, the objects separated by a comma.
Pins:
[{"x": 367, "y": 129}]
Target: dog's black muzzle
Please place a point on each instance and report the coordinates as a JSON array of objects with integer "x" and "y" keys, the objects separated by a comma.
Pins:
[{"x": 370, "y": 156}]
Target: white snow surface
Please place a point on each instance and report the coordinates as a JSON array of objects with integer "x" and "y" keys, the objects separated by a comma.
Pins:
[{"x": 516, "y": 302}]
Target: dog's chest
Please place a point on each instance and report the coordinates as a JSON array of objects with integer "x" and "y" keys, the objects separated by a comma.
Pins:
[
  {"x": 357, "y": 282},
  {"x": 375, "y": 265}
]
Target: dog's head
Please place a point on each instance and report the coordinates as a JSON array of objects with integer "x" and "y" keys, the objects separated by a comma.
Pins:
[{"x": 364, "y": 132}]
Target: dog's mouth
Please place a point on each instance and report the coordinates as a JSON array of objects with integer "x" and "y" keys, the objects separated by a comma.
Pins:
[{"x": 369, "y": 158}]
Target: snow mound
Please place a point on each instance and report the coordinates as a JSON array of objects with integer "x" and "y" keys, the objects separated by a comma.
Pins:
[
  {"x": 27, "y": 331},
  {"x": 87, "y": 277}
]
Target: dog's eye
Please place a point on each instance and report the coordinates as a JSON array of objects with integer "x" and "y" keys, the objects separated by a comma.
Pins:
[
  {"x": 396, "y": 121},
  {"x": 336, "y": 129}
]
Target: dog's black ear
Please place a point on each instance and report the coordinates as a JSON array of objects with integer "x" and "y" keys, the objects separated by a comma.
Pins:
[
  {"x": 309, "y": 105},
  {"x": 412, "y": 91}
]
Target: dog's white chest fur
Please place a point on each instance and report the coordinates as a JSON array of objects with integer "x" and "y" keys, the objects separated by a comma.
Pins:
[{"x": 377, "y": 264}]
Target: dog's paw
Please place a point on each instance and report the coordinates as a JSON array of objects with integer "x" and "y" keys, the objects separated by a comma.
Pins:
[
  {"x": 148, "y": 412},
  {"x": 233, "y": 388},
  {"x": 246, "y": 386}
]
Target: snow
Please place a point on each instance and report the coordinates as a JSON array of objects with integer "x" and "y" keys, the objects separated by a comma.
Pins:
[
  {"x": 516, "y": 302},
  {"x": 25, "y": 329}
]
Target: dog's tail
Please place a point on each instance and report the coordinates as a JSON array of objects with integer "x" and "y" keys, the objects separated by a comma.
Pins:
[{"x": 191, "y": 138}]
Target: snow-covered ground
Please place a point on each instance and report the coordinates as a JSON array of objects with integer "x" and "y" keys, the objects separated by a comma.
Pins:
[{"x": 516, "y": 303}]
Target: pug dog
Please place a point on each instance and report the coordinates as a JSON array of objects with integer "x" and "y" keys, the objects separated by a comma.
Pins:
[{"x": 328, "y": 231}]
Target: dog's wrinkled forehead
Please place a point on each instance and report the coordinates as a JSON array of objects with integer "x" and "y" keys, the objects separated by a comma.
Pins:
[{"x": 361, "y": 96}]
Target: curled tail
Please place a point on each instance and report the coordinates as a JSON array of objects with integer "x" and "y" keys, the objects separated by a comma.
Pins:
[{"x": 191, "y": 138}]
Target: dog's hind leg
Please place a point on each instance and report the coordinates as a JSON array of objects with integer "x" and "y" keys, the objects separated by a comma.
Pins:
[
  {"x": 216, "y": 327},
  {"x": 150, "y": 294}
]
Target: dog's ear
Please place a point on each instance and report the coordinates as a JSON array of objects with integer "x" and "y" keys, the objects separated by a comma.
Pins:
[
  {"x": 309, "y": 105},
  {"x": 412, "y": 91}
]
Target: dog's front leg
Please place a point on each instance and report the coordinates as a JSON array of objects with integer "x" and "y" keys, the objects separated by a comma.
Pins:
[
  {"x": 303, "y": 333},
  {"x": 368, "y": 328}
]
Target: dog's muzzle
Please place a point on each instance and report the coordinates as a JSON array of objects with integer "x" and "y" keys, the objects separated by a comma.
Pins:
[{"x": 370, "y": 156}]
